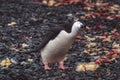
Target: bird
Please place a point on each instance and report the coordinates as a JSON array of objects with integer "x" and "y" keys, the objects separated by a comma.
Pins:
[{"x": 55, "y": 45}]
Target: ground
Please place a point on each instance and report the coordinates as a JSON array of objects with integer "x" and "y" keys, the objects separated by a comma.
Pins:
[{"x": 23, "y": 25}]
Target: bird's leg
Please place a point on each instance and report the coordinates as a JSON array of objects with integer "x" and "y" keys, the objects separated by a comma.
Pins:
[
  {"x": 46, "y": 67},
  {"x": 61, "y": 66}
]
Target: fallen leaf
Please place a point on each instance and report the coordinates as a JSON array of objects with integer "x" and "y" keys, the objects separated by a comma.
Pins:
[
  {"x": 51, "y": 2},
  {"x": 30, "y": 60},
  {"x": 103, "y": 60},
  {"x": 79, "y": 37},
  {"x": 98, "y": 27},
  {"x": 92, "y": 66},
  {"x": 107, "y": 39},
  {"x": 15, "y": 48},
  {"x": 44, "y": 2},
  {"x": 116, "y": 34},
  {"x": 24, "y": 45},
  {"x": 89, "y": 51},
  {"x": 89, "y": 38},
  {"x": 12, "y": 24},
  {"x": 83, "y": 17},
  {"x": 115, "y": 45},
  {"x": 112, "y": 55},
  {"x": 87, "y": 28},
  {"x": 25, "y": 37},
  {"x": 101, "y": 37},
  {"x": 91, "y": 44},
  {"x": 88, "y": 8},
  {"x": 5, "y": 63}
]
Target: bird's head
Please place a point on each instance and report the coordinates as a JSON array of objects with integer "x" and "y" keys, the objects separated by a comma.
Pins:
[{"x": 78, "y": 25}]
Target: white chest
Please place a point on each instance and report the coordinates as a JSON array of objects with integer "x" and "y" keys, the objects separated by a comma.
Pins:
[
  {"x": 57, "y": 47},
  {"x": 62, "y": 42}
]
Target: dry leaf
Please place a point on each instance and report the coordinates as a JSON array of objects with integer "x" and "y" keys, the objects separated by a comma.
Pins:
[
  {"x": 15, "y": 48},
  {"x": 116, "y": 34},
  {"x": 91, "y": 44},
  {"x": 89, "y": 38},
  {"x": 44, "y": 2},
  {"x": 107, "y": 39},
  {"x": 25, "y": 37},
  {"x": 98, "y": 27},
  {"x": 88, "y": 8},
  {"x": 112, "y": 55},
  {"x": 83, "y": 17},
  {"x": 12, "y": 23},
  {"x": 87, "y": 66},
  {"x": 51, "y": 2},
  {"x": 103, "y": 60},
  {"x": 79, "y": 37},
  {"x": 5, "y": 63},
  {"x": 97, "y": 50},
  {"x": 30, "y": 60},
  {"x": 89, "y": 51},
  {"x": 115, "y": 45},
  {"x": 101, "y": 37},
  {"x": 24, "y": 45},
  {"x": 110, "y": 18},
  {"x": 87, "y": 28}
]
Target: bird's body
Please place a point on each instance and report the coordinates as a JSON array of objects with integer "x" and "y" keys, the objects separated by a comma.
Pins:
[{"x": 54, "y": 50}]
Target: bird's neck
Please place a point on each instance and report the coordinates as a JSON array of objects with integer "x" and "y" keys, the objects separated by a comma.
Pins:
[{"x": 74, "y": 32}]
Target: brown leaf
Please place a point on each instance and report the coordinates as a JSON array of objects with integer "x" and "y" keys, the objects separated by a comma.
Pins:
[
  {"x": 107, "y": 39},
  {"x": 5, "y": 63},
  {"x": 115, "y": 45},
  {"x": 92, "y": 66},
  {"x": 44, "y": 2},
  {"x": 51, "y": 2},
  {"x": 89, "y": 38},
  {"x": 91, "y": 44}
]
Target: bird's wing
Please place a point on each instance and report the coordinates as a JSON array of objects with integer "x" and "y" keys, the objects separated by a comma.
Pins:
[{"x": 52, "y": 33}]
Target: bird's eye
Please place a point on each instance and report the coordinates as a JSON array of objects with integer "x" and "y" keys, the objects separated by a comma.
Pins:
[{"x": 82, "y": 26}]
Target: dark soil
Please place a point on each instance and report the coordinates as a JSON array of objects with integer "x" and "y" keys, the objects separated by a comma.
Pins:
[{"x": 32, "y": 22}]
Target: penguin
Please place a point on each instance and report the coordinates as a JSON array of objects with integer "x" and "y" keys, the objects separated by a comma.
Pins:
[{"x": 54, "y": 47}]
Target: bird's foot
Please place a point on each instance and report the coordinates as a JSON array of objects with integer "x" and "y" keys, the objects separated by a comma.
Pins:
[
  {"x": 62, "y": 67},
  {"x": 46, "y": 67}
]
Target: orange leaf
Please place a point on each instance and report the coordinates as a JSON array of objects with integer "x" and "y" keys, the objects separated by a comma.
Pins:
[{"x": 79, "y": 37}]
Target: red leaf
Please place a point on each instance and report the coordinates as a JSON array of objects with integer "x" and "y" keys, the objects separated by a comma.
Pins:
[
  {"x": 116, "y": 34},
  {"x": 25, "y": 37},
  {"x": 112, "y": 53},
  {"x": 115, "y": 52},
  {"x": 98, "y": 61},
  {"x": 36, "y": 2},
  {"x": 102, "y": 60},
  {"x": 79, "y": 37},
  {"x": 98, "y": 27}
]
